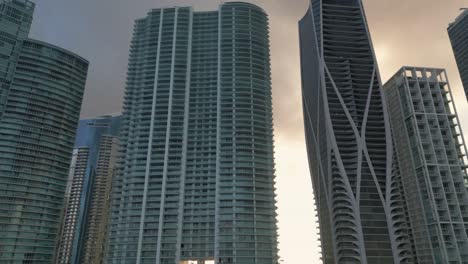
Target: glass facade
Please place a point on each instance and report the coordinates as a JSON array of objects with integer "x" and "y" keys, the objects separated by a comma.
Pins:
[
  {"x": 360, "y": 205},
  {"x": 458, "y": 33},
  {"x": 84, "y": 228},
  {"x": 196, "y": 182},
  {"x": 37, "y": 131},
  {"x": 16, "y": 18},
  {"x": 431, "y": 153}
]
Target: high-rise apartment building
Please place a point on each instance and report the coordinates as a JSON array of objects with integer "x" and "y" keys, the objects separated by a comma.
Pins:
[
  {"x": 84, "y": 228},
  {"x": 40, "y": 99},
  {"x": 37, "y": 131},
  {"x": 196, "y": 183},
  {"x": 431, "y": 153},
  {"x": 16, "y": 21},
  {"x": 458, "y": 33},
  {"x": 355, "y": 178}
]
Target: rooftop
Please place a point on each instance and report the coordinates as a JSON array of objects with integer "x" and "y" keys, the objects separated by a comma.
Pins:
[{"x": 463, "y": 14}]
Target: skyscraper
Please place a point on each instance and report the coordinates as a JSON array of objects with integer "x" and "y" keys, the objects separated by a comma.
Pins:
[
  {"x": 16, "y": 21},
  {"x": 41, "y": 89},
  {"x": 360, "y": 206},
  {"x": 458, "y": 33},
  {"x": 37, "y": 131},
  {"x": 84, "y": 228},
  {"x": 196, "y": 183},
  {"x": 431, "y": 151}
]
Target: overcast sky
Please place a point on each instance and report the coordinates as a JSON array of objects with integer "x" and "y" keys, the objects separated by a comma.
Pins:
[{"x": 404, "y": 32}]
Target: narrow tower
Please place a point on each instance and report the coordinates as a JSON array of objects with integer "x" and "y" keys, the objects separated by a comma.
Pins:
[
  {"x": 84, "y": 227},
  {"x": 431, "y": 153},
  {"x": 361, "y": 215},
  {"x": 196, "y": 183}
]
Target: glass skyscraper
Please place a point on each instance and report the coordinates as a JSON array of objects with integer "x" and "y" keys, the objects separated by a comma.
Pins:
[
  {"x": 458, "y": 33},
  {"x": 360, "y": 205},
  {"x": 37, "y": 131},
  {"x": 16, "y": 21},
  {"x": 40, "y": 99},
  {"x": 84, "y": 228},
  {"x": 196, "y": 182},
  {"x": 431, "y": 153}
]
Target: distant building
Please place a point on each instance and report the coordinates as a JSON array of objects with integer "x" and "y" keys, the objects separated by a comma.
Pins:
[
  {"x": 458, "y": 33},
  {"x": 354, "y": 174},
  {"x": 84, "y": 229},
  {"x": 196, "y": 183},
  {"x": 431, "y": 153},
  {"x": 41, "y": 90}
]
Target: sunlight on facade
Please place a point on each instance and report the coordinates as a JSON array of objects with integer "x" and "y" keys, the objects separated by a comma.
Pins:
[{"x": 197, "y": 262}]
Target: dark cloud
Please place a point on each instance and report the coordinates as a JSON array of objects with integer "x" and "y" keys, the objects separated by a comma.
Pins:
[
  {"x": 101, "y": 31},
  {"x": 404, "y": 33}
]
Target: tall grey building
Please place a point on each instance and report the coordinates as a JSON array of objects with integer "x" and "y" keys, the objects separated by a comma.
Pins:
[
  {"x": 16, "y": 18},
  {"x": 37, "y": 131},
  {"x": 458, "y": 33},
  {"x": 196, "y": 182},
  {"x": 84, "y": 227},
  {"x": 431, "y": 153},
  {"x": 41, "y": 89},
  {"x": 360, "y": 206}
]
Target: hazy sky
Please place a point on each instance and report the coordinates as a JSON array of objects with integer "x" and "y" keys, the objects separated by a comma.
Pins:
[{"x": 404, "y": 32}]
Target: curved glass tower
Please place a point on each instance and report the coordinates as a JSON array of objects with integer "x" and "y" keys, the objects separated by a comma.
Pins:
[
  {"x": 37, "y": 132},
  {"x": 196, "y": 183},
  {"x": 361, "y": 212}
]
